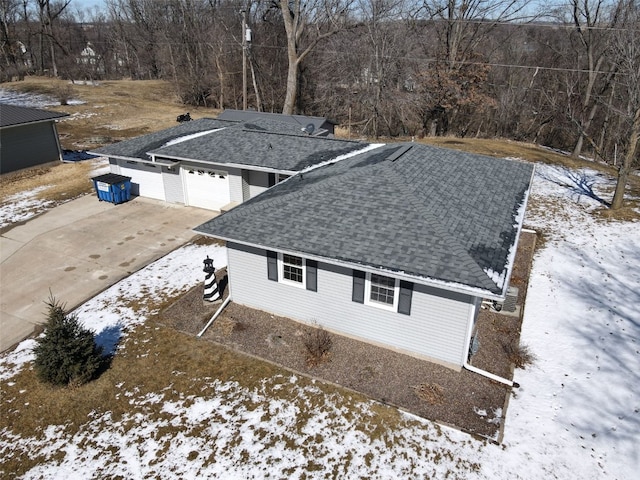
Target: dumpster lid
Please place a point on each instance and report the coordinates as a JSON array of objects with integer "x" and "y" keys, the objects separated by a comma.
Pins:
[{"x": 111, "y": 178}]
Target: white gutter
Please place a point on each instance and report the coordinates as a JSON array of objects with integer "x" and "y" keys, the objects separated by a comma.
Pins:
[
  {"x": 215, "y": 315},
  {"x": 477, "y": 370}
]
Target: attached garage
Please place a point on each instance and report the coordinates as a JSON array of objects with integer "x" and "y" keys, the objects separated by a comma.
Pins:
[
  {"x": 146, "y": 179},
  {"x": 206, "y": 188}
]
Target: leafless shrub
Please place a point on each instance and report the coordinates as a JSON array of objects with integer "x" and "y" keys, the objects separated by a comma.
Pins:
[
  {"x": 64, "y": 93},
  {"x": 227, "y": 326},
  {"x": 518, "y": 354},
  {"x": 430, "y": 392},
  {"x": 318, "y": 343}
]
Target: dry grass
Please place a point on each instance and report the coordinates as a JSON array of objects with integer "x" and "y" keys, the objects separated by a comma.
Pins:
[
  {"x": 62, "y": 180},
  {"x": 111, "y": 110}
]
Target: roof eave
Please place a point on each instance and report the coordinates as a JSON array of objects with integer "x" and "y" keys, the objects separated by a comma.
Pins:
[
  {"x": 441, "y": 284},
  {"x": 512, "y": 253}
]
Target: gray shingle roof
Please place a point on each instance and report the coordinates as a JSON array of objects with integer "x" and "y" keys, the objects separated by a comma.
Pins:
[
  {"x": 300, "y": 121},
  {"x": 139, "y": 146},
  {"x": 261, "y": 143},
  {"x": 431, "y": 213},
  {"x": 11, "y": 115}
]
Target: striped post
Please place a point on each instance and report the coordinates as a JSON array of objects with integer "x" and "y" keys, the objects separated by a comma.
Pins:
[{"x": 211, "y": 292}]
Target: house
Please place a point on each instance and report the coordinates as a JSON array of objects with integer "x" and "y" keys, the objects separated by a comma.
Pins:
[
  {"x": 316, "y": 126},
  {"x": 28, "y": 137},
  {"x": 217, "y": 164},
  {"x": 396, "y": 246}
]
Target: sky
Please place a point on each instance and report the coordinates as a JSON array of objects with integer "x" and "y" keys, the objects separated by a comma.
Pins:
[{"x": 576, "y": 414}]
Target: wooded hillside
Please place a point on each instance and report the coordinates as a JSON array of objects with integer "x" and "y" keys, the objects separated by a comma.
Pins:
[{"x": 568, "y": 78}]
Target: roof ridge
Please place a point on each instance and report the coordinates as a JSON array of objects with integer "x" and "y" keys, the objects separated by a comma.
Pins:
[
  {"x": 294, "y": 135},
  {"x": 413, "y": 199}
]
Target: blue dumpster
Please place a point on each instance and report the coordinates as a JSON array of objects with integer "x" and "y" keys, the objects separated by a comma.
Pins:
[{"x": 112, "y": 187}]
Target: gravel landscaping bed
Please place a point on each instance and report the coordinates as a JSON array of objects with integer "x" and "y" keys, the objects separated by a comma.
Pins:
[{"x": 466, "y": 400}]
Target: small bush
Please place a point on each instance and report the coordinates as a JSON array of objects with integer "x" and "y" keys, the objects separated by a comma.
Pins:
[
  {"x": 430, "y": 392},
  {"x": 64, "y": 93},
  {"x": 518, "y": 354},
  {"x": 318, "y": 343},
  {"x": 66, "y": 355}
]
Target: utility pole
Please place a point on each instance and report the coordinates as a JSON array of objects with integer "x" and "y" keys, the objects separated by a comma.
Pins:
[{"x": 244, "y": 59}]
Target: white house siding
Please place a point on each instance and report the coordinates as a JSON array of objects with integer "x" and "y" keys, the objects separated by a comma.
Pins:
[
  {"x": 258, "y": 182},
  {"x": 235, "y": 184},
  {"x": 245, "y": 185},
  {"x": 114, "y": 167},
  {"x": 146, "y": 179},
  {"x": 436, "y": 328},
  {"x": 173, "y": 191}
]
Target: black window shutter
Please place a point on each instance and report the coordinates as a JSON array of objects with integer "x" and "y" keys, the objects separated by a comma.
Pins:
[
  {"x": 272, "y": 179},
  {"x": 358, "y": 286},
  {"x": 404, "y": 301},
  {"x": 312, "y": 275},
  {"x": 272, "y": 265}
]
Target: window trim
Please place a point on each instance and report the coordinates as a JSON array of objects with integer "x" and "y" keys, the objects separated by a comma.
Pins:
[
  {"x": 385, "y": 306},
  {"x": 286, "y": 281}
]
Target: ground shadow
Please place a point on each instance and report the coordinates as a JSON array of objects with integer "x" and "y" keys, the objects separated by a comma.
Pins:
[
  {"x": 578, "y": 182},
  {"x": 109, "y": 338}
]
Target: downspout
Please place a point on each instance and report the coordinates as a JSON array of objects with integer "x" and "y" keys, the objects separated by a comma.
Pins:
[
  {"x": 55, "y": 134},
  {"x": 490, "y": 375},
  {"x": 477, "y": 370},
  {"x": 215, "y": 315}
]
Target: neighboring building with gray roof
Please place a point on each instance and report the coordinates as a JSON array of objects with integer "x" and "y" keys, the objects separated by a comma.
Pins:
[
  {"x": 217, "y": 164},
  {"x": 315, "y": 126},
  {"x": 137, "y": 148},
  {"x": 28, "y": 137},
  {"x": 395, "y": 246}
]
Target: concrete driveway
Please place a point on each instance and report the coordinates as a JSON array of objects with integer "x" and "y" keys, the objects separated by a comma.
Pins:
[{"x": 80, "y": 248}]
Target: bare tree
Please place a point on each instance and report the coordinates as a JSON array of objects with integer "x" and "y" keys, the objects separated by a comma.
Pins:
[
  {"x": 627, "y": 58},
  {"x": 306, "y": 23},
  {"x": 594, "y": 24},
  {"x": 455, "y": 70},
  {"x": 48, "y": 12},
  {"x": 9, "y": 46}
]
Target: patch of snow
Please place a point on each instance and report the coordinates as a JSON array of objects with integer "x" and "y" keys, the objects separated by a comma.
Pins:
[
  {"x": 191, "y": 136},
  {"x": 23, "y": 206},
  {"x": 32, "y": 100},
  {"x": 371, "y": 146},
  {"x": 108, "y": 319}
]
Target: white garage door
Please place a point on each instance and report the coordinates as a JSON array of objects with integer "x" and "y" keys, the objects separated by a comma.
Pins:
[
  {"x": 206, "y": 188},
  {"x": 146, "y": 180}
]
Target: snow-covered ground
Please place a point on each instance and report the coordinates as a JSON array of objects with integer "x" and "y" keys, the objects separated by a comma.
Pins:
[
  {"x": 32, "y": 100},
  {"x": 29, "y": 203},
  {"x": 575, "y": 416}
]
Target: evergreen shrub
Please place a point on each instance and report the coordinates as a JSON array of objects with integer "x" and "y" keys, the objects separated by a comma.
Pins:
[{"x": 67, "y": 353}]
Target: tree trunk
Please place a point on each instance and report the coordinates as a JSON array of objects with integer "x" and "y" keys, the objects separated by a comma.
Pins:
[
  {"x": 255, "y": 86},
  {"x": 625, "y": 168}
]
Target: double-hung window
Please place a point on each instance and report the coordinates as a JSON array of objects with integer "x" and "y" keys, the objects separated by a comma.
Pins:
[
  {"x": 293, "y": 270},
  {"x": 381, "y": 291}
]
